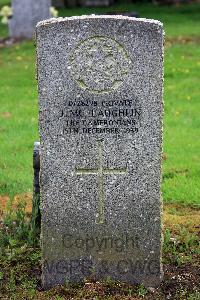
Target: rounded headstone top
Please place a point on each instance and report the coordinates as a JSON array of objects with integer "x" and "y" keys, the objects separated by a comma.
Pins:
[{"x": 89, "y": 17}]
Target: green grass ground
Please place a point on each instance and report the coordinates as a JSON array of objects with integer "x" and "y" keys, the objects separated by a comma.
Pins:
[{"x": 181, "y": 167}]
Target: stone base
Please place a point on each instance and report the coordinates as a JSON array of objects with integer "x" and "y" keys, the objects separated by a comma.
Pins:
[{"x": 36, "y": 215}]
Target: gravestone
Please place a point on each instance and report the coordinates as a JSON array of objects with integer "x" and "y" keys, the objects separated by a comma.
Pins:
[
  {"x": 124, "y": 13},
  {"x": 72, "y": 3},
  {"x": 26, "y": 14},
  {"x": 100, "y": 102},
  {"x": 94, "y": 3},
  {"x": 58, "y": 3}
]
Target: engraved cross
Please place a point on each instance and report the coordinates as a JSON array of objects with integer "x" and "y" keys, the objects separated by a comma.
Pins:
[{"x": 101, "y": 171}]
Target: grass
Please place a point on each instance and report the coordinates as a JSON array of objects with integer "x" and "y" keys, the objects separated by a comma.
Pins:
[
  {"x": 18, "y": 125},
  {"x": 181, "y": 127},
  {"x": 4, "y": 2}
]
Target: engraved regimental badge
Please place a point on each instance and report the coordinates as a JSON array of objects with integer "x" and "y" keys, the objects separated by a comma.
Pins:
[{"x": 100, "y": 64}]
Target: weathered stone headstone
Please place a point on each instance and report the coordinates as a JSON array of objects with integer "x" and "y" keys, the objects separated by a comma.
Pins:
[
  {"x": 26, "y": 14},
  {"x": 100, "y": 102}
]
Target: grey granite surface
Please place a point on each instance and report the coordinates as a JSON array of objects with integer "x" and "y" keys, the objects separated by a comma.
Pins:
[
  {"x": 26, "y": 14},
  {"x": 100, "y": 82}
]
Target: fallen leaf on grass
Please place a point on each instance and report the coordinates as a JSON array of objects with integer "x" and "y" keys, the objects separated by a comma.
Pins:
[
  {"x": 26, "y": 197},
  {"x": 3, "y": 202},
  {"x": 6, "y": 115},
  {"x": 183, "y": 216}
]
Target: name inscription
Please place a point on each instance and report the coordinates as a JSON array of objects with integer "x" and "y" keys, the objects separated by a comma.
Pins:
[{"x": 97, "y": 117}]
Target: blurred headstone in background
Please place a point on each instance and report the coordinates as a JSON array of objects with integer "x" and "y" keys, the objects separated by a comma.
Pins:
[
  {"x": 65, "y": 3},
  {"x": 176, "y": 3},
  {"x": 58, "y": 3},
  {"x": 71, "y": 3},
  {"x": 26, "y": 14},
  {"x": 94, "y": 3},
  {"x": 132, "y": 14}
]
